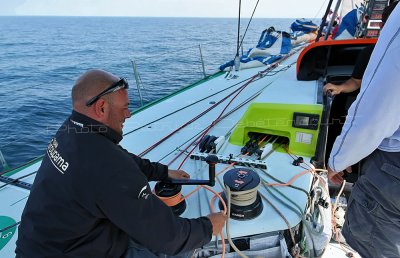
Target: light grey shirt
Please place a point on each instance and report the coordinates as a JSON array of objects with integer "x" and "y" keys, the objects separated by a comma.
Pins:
[{"x": 373, "y": 120}]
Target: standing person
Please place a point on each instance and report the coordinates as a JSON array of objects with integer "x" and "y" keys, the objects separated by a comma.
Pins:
[
  {"x": 354, "y": 83},
  {"x": 372, "y": 130},
  {"x": 91, "y": 197}
]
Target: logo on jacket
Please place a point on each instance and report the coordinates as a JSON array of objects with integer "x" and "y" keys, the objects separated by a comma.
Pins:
[
  {"x": 58, "y": 161},
  {"x": 143, "y": 194}
]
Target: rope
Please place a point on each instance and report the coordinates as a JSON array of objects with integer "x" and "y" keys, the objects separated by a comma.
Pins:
[
  {"x": 282, "y": 216},
  {"x": 223, "y": 117},
  {"x": 219, "y": 116},
  {"x": 320, "y": 9},
  {"x": 299, "y": 210},
  {"x": 228, "y": 234},
  {"x": 244, "y": 198},
  {"x": 171, "y": 200},
  {"x": 248, "y": 24},
  {"x": 176, "y": 111},
  {"x": 249, "y": 80},
  {"x": 194, "y": 119},
  {"x": 291, "y": 186},
  {"x": 168, "y": 54},
  {"x": 252, "y": 79}
]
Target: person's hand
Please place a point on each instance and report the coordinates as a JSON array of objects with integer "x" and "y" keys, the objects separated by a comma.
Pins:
[
  {"x": 178, "y": 174},
  {"x": 349, "y": 169},
  {"x": 335, "y": 177},
  {"x": 332, "y": 88},
  {"x": 217, "y": 221}
]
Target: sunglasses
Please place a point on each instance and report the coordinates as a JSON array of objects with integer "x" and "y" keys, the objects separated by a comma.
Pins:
[{"x": 121, "y": 84}]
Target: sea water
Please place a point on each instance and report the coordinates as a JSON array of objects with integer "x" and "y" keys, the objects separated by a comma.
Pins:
[{"x": 41, "y": 57}]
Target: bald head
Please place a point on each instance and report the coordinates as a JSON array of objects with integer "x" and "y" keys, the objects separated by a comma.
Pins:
[
  {"x": 111, "y": 109},
  {"x": 89, "y": 85}
]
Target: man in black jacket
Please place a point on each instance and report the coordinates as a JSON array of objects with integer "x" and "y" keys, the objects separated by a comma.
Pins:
[{"x": 91, "y": 197}]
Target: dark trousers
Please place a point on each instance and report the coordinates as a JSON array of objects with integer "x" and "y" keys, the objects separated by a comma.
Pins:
[
  {"x": 372, "y": 225},
  {"x": 136, "y": 250}
]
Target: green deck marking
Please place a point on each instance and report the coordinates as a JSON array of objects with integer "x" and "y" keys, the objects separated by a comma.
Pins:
[{"x": 6, "y": 235}]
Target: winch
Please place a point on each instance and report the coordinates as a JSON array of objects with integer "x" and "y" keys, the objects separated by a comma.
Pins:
[
  {"x": 245, "y": 200},
  {"x": 171, "y": 195},
  {"x": 169, "y": 190}
]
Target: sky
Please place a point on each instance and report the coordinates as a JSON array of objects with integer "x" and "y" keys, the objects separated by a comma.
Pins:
[{"x": 165, "y": 8}]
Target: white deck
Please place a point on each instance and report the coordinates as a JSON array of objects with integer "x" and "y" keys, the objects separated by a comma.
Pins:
[{"x": 280, "y": 88}]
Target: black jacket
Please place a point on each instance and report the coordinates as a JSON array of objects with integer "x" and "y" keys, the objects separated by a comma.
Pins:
[{"x": 90, "y": 195}]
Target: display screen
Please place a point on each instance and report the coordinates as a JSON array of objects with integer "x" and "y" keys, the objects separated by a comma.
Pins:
[
  {"x": 306, "y": 121},
  {"x": 302, "y": 120}
]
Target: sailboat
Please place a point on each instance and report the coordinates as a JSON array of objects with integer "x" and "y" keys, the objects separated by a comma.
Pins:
[{"x": 254, "y": 139}]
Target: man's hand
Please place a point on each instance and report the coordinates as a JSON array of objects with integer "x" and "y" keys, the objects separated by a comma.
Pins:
[
  {"x": 217, "y": 221},
  {"x": 349, "y": 169},
  {"x": 178, "y": 174},
  {"x": 335, "y": 177},
  {"x": 334, "y": 89}
]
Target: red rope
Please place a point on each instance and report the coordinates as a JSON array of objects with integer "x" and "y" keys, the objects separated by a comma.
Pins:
[
  {"x": 198, "y": 139},
  {"x": 185, "y": 124},
  {"x": 215, "y": 121}
]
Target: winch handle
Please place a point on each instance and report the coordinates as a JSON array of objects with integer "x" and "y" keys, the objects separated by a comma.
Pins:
[{"x": 211, "y": 161}]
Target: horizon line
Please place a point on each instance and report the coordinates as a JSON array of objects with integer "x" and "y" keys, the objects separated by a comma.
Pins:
[{"x": 120, "y": 16}]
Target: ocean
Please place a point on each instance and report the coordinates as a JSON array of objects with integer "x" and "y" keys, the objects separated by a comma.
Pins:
[{"x": 41, "y": 57}]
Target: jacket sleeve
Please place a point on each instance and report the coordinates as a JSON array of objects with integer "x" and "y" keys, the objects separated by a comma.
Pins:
[
  {"x": 154, "y": 171},
  {"x": 130, "y": 205},
  {"x": 374, "y": 115}
]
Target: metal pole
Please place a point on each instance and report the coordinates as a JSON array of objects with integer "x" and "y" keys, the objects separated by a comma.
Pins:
[
  {"x": 137, "y": 82},
  {"x": 333, "y": 19},
  {"x": 321, "y": 27},
  {"x": 202, "y": 62}
]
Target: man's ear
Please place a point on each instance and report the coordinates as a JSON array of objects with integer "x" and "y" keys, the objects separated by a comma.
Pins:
[{"x": 100, "y": 108}]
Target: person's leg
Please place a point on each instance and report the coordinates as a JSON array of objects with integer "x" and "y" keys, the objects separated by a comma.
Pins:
[
  {"x": 372, "y": 225},
  {"x": 359, "y": 224}
]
